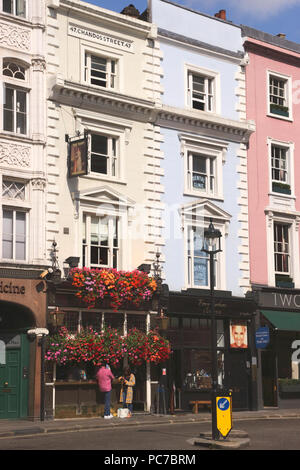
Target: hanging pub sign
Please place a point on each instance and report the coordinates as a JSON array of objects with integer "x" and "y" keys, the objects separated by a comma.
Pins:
[{"x": 77, "y": 159}]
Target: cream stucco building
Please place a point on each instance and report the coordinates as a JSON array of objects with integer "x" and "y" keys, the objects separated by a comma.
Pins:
[{"x": 103, "y": 82}]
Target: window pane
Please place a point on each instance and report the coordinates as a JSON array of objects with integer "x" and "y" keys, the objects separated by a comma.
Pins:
[
  {"x": 20, "y": 7},
  {"x": 200, "y": 272},
  {"x": 7, "y": 6},
  {"x": 13, "y": 190},
  {"x": 21, "y": 123},
  {"x": 7, "y": 237},
  {"x": 8, "y": 120},
  {"x": 199, "y": 163},
  {"x": 99, "y": 144},
  {"x": 99, "y": 164},
  {"x": 20, "y": 235},
  {"x": 21, "y": 101}
]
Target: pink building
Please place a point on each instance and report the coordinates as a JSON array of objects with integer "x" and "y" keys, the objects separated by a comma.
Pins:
[{"x": 273, "y": 102}]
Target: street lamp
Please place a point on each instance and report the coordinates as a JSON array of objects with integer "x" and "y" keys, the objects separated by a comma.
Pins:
[{"x": 212, "y": 246}]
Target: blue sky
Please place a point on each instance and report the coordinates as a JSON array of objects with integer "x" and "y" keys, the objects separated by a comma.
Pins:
[{"x": 271, "y": 16}]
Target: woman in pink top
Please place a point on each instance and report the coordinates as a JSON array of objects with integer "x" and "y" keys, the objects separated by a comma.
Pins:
[{"x": 104, "y": 378}]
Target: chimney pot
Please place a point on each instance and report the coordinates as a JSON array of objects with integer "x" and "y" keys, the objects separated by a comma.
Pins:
[{"x": 221, "y": 14}]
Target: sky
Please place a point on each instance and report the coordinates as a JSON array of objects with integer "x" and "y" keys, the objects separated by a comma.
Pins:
[{"x": 270, "y": 16}]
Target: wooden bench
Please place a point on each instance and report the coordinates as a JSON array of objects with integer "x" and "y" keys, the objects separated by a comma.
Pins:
[{"x": 198, "y": 403}]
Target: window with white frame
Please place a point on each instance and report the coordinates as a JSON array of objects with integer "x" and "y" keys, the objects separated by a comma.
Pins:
[
  {"x": 14, "y": 7},
  {"x": 198, "y": 260},
  {"x": 100, "y": 241},
  {"x": 100, "y": 71},
  {"x": 13, "y": 234},
  {"x": 279, "y": 95},
  {"x": 15, "y": 97},
  {"x": 104, "y": 155},
  {"x": 15, "y": 110},
  {"x": 13, "y": 70},
  {"x": 203, "y": 166},
  {"x": 280, "y": 168},
  {"x": 201, "y": 92},
  {"x": 282, "y": 248},
  {"x": 13, "y": 189},
  {"x": 201, "y": 173}
]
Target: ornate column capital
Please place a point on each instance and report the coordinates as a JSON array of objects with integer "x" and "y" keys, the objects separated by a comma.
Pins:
[{"x": 38, "y": 184}]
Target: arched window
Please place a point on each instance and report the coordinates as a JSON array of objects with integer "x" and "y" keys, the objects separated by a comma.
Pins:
[
  {"x": 13, "y": 70},
  {"x": 15, "y": 98}
]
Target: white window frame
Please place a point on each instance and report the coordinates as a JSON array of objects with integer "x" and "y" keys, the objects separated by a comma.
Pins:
[
  {"x": 292, "y": 219},
  {"x": 110, "y": 58},
  {"x": 15, "y": 111},
  {"x": 287, "y": 95},
  {"x": 199, "y": 216},
  {"x": 192, "y": 70},
  {"x": 16, "y": 84},
  {"x": 110, "y": 225},
  {"x": 118, "y": 128},
  {"x": 15, "y": 209},
  {"x": 289, "y": 147},
  {"x": 112, "y": 156},
  {"x": 14, "y": 4},
  {"x": 283, "y": 252},
  {"x": 211, "y": 150},
  {"x": 103, "y": 200}
]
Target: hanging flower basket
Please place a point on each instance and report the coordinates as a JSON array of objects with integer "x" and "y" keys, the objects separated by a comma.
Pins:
[
  {"x": 106, "y": 347},
  {"x": 119, "y": 288}
]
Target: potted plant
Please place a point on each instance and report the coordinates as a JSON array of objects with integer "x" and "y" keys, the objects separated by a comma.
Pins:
[
  {"x": 285, "y": 281},
  {"x": 289, "y": 385},
  {"x": 279, "y": 109},
  {"x": 279, "y": 187}
]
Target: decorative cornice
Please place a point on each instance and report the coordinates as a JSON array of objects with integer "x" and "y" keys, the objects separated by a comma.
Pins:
[
  {"x": 79, "y": 95},
  {"x": 182, "y": 119},
  {"x": 111, "y": 17}
]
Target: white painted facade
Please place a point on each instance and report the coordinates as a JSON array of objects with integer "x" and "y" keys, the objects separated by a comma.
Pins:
[
  {"x": 23, "y": 171},
  {"x": 119, "y": 113}
]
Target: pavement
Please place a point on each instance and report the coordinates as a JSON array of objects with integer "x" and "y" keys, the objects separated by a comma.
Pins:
[{"x": 14, "y": 428}]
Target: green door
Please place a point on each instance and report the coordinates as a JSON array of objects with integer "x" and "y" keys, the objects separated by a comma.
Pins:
[{"x": 13, "y": 381}]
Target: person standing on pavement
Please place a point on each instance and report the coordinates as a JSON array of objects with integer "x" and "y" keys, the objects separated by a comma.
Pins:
[
  {"x": 127, "y": 383},
  {"x": 104, "y": 379}
]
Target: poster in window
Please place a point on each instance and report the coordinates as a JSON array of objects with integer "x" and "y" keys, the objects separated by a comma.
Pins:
[
  {"x": 238, "y": 335},
  {"x": 78, "y": 158}
]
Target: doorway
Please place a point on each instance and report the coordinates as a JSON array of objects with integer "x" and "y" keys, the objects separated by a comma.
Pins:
[
  {"x": 14, "y": 368},
  {"x": 269, "y": 378},
  {"x": 237, "y": 379}
]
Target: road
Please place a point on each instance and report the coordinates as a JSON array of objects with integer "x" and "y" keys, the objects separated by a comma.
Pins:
[{"x": 271, "y": 434}]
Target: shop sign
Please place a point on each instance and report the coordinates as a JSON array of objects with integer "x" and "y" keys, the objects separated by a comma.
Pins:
[
  {"x": 101, "y": 38},
  {"x": 10, "y": 288},
  {"x": 262, "y": 337},
  {"x": 279, "y": 300},
  {"x": 224, "y": 415}
]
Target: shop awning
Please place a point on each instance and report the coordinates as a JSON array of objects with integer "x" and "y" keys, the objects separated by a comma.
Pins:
[{"x": 283, "y": 320}]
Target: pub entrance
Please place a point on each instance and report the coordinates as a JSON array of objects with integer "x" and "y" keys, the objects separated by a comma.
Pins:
[
  {"x": 237, "y": 378},
  {"x": 15, "y": 320}
]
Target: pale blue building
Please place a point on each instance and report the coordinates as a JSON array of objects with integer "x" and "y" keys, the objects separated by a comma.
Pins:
[
  {"x": 205, "y": 133},
  {"x": 202, "y": 121}
]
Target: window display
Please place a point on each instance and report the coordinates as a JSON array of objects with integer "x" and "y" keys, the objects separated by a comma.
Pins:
[{"x": 198, "y": 369}]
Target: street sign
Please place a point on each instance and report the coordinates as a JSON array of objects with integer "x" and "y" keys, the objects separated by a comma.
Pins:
[
  {"x": 262, "y": 337},
  {"x": 224, "y": 415}
]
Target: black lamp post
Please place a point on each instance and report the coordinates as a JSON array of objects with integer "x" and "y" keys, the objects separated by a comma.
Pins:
[{"x": 212, "y": 246}]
